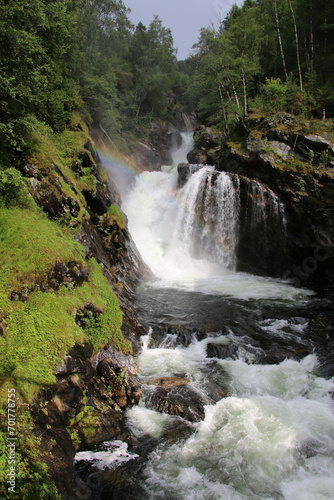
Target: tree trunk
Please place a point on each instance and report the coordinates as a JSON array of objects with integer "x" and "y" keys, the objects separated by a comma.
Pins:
[
  {"x": 224, "y": 111},
  {"x": 297, "y": 46},
  {"x": 245, "y": 95},
  {"x": 311, "y": 33},
  {"x": 280, "y": 42}
]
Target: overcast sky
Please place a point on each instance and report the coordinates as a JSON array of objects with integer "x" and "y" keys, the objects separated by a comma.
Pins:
[{"x": 184, "y": 17}]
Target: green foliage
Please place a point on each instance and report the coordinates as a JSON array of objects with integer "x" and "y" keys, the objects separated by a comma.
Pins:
[
  {"x": 32, "y": 480},
  {"x": 40, "y": 330},
  {"x": 36, "y": 41},
  {"x": 113, "y": 215},
  {"x": 276, "y": 94},
  {"x": 13, "y": 190},
  {"x": 250, "y": 62}
]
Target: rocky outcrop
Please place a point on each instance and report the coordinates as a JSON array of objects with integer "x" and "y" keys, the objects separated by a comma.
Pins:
[
  {"x": 86, "y": 404},
  {"x": 157, "y": 149},
  {"x": 180, "y": 401},
  {"x": 298, "y": 168},
  {"x": 84, "y": 408}
]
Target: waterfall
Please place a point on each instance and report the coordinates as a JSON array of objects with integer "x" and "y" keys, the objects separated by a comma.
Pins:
[
  {"x": 207, "y": 219},
  {"x": 264, "y": 204},
  {"x": 262, "y": 233},
  {"x": 217, "y": 222},
  {"x": 239, "y": 343}
]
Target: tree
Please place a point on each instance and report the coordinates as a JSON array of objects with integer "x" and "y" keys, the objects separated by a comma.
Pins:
[
  {"x": 35, "y": 45},
  {"x": 153, "y": 62}
]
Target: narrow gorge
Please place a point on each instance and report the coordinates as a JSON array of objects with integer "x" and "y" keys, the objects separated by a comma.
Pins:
[{"x": 232, "y": 364}]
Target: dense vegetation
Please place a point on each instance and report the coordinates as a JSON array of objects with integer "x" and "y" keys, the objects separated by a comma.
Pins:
[
  {"x": 58, "y": 57},
  {"x": 265, "y": 56}
]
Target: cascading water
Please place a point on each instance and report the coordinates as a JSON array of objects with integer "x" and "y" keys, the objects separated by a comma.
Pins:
[
  {"x": 240, "y": 342},
  {"x": 262, "y": 230},
  {"x": 207, "y": 220}
]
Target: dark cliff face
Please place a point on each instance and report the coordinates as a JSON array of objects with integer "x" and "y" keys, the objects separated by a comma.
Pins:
[
  {"x": 298, "y": 167},
  {"x": 156, "y": 150}
]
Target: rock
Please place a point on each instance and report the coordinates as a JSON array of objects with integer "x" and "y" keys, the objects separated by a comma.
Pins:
[
  {"x": 197, "y": 156},
  {"x": 166, "y": 382},
  {"x": 77, "y": 169},
  {"x": 132, "y": 388},
  {"x": 189, "y": 120},
  {"x": 157, "y": 149},
  {"x": 71, "y": 274},
  {"x": 183, "y": 173},
  {"x": 118, "y": 360},
  {"x": 281, "y": 149},
  {"x": 316, "y": 142},
  {"x": 205, "y": 138},
  {"x": 75, "y": 360},
  {"x": 185, "y": 170},
  {"x": 164, "y": 138},
  {"x": 145, "y": 157},
  {"x": 222, "y": 351},
  {"x": 117, "y": 390},
  {"x": 179, "y": 401}
]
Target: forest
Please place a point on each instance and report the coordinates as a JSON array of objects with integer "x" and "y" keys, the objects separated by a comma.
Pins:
[
  {"x": 72, "y": 67},
  {"x": 63, "y": 55}
]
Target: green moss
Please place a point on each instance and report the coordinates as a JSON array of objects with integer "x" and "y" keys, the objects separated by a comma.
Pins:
[
  {"x": 38, "y": 329},
  {"x": 32, "y": 480},
  {"x": 113, "y": 215},
  {"x": 38, "y": 332},
  {"x": 235, "y": 144},
  {"x": 83, "y": 426}
]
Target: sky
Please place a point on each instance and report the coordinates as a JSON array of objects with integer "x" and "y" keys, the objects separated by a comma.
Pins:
[{"x": 185, "y": 18}]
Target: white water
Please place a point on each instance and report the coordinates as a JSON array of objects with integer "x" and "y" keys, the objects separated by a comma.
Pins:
[
  {"x": 191, "y": 251},
  {"x": 114, "y": 454},
  {"x": 273, "y": 436}
]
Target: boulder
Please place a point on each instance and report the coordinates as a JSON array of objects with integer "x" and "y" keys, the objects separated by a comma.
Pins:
[
  {"x": 166, "y": 382},
  {"x": 206, "y": 138},
  {"x": 117, "y": 390},
  {"x": 179, "y": 401},
  {"x": 316, "y": 142},
  {"x": 197, "y": 156}
]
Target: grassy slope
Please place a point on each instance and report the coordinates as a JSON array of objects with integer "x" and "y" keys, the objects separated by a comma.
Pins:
[{"x": 37, "y": 332}]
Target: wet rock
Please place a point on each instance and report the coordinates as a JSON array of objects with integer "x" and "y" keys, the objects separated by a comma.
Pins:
[
  {"x": 145, "y": 157},
  {"x": 179, "y": 401},
  {"x": 132, "y": 388},
  {"x": 197, "y": 156},
  {"x": 165, "y": 138},
  {"x": 183, "y": 173},
  {"x": 118, "y": 360},
  {"x": 166, "y": 382},
  {"x": 222, "y": 351},
  {"x": 106, "y": 370}
]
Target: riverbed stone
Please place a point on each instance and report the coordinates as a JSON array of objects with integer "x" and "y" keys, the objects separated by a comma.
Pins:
[
  {"x": 180, "y": 401},
  {"x": 165, "y": 382}
]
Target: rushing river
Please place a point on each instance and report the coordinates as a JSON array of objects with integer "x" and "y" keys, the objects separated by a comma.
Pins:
[{"x": 241, "y": 341}]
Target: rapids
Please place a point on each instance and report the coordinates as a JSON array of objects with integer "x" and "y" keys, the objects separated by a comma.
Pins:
[{"x": 272, "y": 435}]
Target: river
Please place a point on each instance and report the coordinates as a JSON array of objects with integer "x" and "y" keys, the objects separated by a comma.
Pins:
[{"x": 241, "y": 342}]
